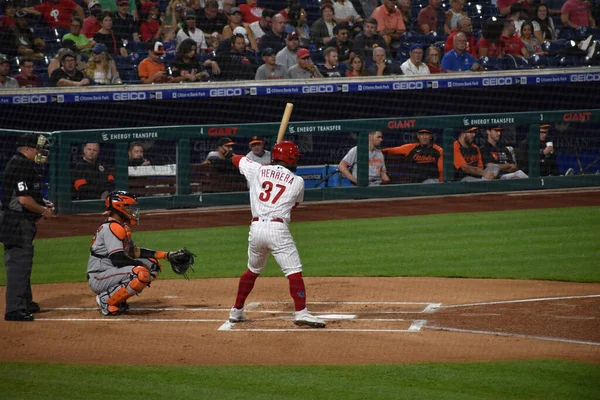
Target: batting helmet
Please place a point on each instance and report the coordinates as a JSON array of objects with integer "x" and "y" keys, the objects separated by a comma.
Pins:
[
  {"x": 286, "y": 152},
  {"x": 120, "y": 203}
]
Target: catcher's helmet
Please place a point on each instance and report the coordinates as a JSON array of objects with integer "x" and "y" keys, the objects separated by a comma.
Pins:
[
  {"x": 286, "y": 152},
  {"x": 120, "y": 203}
]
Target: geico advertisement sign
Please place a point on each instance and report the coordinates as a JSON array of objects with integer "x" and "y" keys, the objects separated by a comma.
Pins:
[
  {"x": 30, "y": 99},
  {"x": 125, "y": 96},
  {"x": 407, "y": 85}
]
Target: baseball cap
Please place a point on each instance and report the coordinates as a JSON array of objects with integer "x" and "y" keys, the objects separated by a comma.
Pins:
[
  {"x": 225, "y": 141},
  {"x": 234, "y": 10},
  {"x": 472, "y": 129},
  {"x": 20, "y": 14},
  {"x": 156, "y": 47},
  {"x": 99, "y": 48},
  {"x": 242, "y": 31},
  {"x": 92, "y": 3},
  {"x": 425, "y": 131},
  {"x": 416, "y": 46},
  {"x": 147, "y": 6},
  {"x": 293, "y": 36},
  {"x": 545, "y": 126},
  {"x": 256, "y": 139},
  {"x": 28, "y": 140},
  {"x": 69, "y": 44},
  {"x": 267, "y": 52},
  {"x": 119, "y": 2},
  {"x": 189, "y": 14},
  {"x": 4, "y": 59},
  {"x": 66, "y": 54},
  {"x": 303, "y": 53},
  {"x": 496, "y": 128}
]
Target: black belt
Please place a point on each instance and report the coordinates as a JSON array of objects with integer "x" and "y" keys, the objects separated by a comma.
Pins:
[
  {"x": 268, "y": 220},
  {"x": 93, "y": 253}
]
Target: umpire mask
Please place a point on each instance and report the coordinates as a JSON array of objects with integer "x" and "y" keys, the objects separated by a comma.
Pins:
[{"x": 42, "y": 150}]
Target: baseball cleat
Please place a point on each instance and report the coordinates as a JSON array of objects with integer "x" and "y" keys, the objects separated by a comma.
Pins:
[
  {"x": 106, "y": 309},
  {"x": 237, "y": 315},
  {"x": 304, "y": 318}
]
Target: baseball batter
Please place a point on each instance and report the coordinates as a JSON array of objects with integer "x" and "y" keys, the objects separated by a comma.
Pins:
[
  {"x": 274, "y": 191},
  {"x": 118, "y": 269}
]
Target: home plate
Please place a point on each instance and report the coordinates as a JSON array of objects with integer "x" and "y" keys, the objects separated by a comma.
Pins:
[{"x": 336, "y": 316}]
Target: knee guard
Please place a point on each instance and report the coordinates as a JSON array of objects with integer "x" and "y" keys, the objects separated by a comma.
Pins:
[{"x": 140, "y": 278}]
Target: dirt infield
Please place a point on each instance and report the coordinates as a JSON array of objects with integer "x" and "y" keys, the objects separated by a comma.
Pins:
[{"x": 370, "y": 320}]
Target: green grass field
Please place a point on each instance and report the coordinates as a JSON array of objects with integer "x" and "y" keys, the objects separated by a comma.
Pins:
[{"x": 550, "y": 244}]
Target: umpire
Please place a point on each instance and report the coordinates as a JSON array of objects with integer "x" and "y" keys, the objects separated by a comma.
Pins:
[{"x": 22, "y": 207}]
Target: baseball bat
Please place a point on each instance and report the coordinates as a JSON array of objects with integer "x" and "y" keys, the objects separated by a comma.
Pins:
[{"x": 284, "y": 121}]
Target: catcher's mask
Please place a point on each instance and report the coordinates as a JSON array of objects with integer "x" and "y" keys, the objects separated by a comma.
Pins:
[
  {"x": 286, "y": 152},
  {"x": 121, "y": 203},
  {"x": 37, "y": 142}
]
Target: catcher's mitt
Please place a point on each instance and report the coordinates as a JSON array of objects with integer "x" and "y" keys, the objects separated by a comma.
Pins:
[{"x": 181, "y": 260}]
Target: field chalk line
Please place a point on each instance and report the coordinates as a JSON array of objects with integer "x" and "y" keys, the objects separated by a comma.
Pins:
[{"x": 521, "y": 301}]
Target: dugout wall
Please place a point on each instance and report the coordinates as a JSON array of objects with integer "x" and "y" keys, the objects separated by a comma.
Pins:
[{"x": 178, "y": 174}]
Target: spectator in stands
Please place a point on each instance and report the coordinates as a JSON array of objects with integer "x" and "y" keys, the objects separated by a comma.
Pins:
[
  {"x": 187, "y": 67},
  {"x": 175, "y": 13},
  {"x": 68, "y": 74},
  {"x": 275, "y": 38},
  {"x": 101, "y": 68},
  {"x": 330, "y": 69},
  {"x": 289, "y": 3},
  {"x": 93, "y": 23},
  {"x": 455, "y": 13},
  {"x": 224, "y": 151},
  {"x": 381, "y": 66},
  {"x": 377, "y": 171},
  {"x": 531, "y": 43},
  {"x": 342, "y": 43},
  {"x": 225, "y": 44},
  {"x": 468, "y": 165},
  {"x": 191, "y": 32},
  {"x": 236, "y": 26},
  {"x": 547, "y": 155},
  {"x": 577, "y": 14},
  {"x": 458, "y": 59},
  {"x": 322, "y": 30},
  {"x": 465, "y": 26},
  {"x": 7, "y": 19},
  {"x": 543, "y": 25},
  {"x": 27, "y": 78},
  {"x": 83, "y": 43},
  {"x": 554, "y": 6},
  {"x": 151, "y": 24},
  {"x": 6, "y": 82},
  {"x": 257, "y": 151},
  {"x": 287, "y": 56},
  {"x": 56, "y": 13},
  {"x": 105, "y": 35},
  {"x": 124, "y": 24},
  {"x": 433, "y": 19},
  {"x": 151, "y": 69},
  {"x": 263, "y": 25},
  {"x": 297, "y": 23},
  {"x": 390, "y": 24},
  {"x": 209, "y": 20},
  {"x": 511, "y": 43},
  {"x": 91, "y": 179},
  {"x": 226, "y": 6},
  {"x": 270, "y": 70},
  {"x": 426, "y": 159},
  {"x": 356, "y": 68},
  {"x": 67, "y": 45},
  {"x": 166, "y": 35},
  {"x": 136, "y": 155},
  {"x": 344, "y": 11},
  {"x": 415, "y": 65},
  {"x": 235, "y": 64},
  {"x": 489, "y": 45},
  {"x": 27, "y": 44},
  {"x": 497, "y": 157},
  {"x": 251, "y": 12},
  {"x": 407, "y": 18},
  {"x": 368, "y": 39},
  {"x": 113, "y": 6},
  {"x": 517, "y": 15},
  {"x": 433, "y": 57},
  {"x": 304, "y": 68},
  {"x": 504, "y": 6}
]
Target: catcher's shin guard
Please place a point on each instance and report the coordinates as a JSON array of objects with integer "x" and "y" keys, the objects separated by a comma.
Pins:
[{"x": 141, "y": 278}]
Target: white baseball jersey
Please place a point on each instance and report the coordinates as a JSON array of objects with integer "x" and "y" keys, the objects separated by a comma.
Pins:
[{"x": 274, "y": 190}]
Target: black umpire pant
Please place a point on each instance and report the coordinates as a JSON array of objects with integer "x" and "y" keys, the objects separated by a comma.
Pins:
[{"x": 18, "y": 259}]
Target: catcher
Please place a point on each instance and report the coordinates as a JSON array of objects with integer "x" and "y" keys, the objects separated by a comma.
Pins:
[{"x": 118, "y": 269}]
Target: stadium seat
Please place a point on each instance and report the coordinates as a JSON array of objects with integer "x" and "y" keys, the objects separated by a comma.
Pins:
[
  {"x": 569, "y": 61},
  {"x": 492, "y": 64},
  {"x": 136, "y": 47},
  {"x": 41, "y": 64},
  {"x": 44, "y": 79},
  {"x": 52, "y": 48},
  {"x": 123, "y": 62},
  {"x": 129, "y": 76},
  {"x": 46, "y": 33}
]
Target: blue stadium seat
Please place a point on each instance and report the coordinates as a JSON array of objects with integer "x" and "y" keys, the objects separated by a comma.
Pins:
[
  {"x": 52, "y": 48},
  {"x": 317, "y": 57},
  {"x": 129, "y": 76},
  {"x": 44, "y": 79},
  {"x": 45, "y": 32},
  {"x": 60, "y": 32},
  {"x": 169, "y": 57},
  {"x": 123, "y": 62},
  {"x": 136, "y": 47},
  {"x": 41, "y": 64},
  {"x": 492, "y": 64},
  {"x": 569, "y": 61}
]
